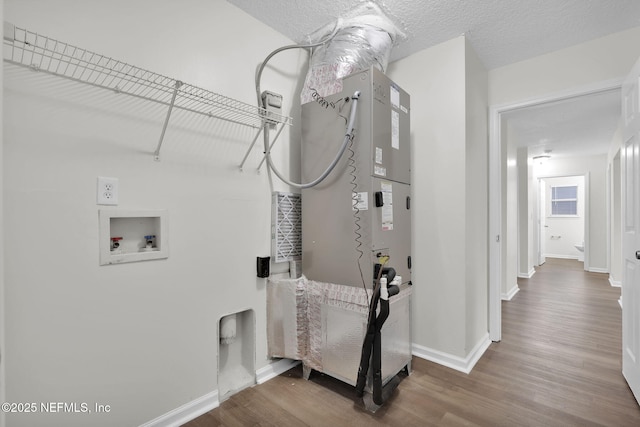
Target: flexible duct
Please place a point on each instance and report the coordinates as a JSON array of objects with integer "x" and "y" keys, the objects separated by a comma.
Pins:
[
  {"x": 358, "y": 43},
  {"x": 354, "y": 44}
]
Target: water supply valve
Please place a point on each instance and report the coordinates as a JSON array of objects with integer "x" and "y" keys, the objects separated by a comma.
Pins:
[
  {"x": 115, "y": 244},
  {"x": 150, "y": 242}
]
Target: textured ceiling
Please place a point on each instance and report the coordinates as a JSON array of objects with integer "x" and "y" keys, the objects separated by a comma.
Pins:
[
  {"x": 501, "y": 32},
  {"x": 583, "y": 125}
]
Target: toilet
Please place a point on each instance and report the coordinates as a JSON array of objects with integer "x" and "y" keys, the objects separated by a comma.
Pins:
[{"x": 580, "y": 248}]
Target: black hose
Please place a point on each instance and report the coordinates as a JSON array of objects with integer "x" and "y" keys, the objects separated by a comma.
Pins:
[{"x": 372, "y": 340}]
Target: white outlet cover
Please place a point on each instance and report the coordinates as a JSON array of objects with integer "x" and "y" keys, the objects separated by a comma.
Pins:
[{"x": 107, "y": 191}]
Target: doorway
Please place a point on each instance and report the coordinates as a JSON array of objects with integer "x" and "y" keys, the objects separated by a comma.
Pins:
[
  {"x": 504, "y": 146},
  {"x": 562, "y": 218}
]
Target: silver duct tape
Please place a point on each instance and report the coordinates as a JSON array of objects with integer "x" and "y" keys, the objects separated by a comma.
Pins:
[
  {"x": 353, "y": 48},
  {"x": 347, "y": 306},
  {"x": 287, "y": 318},
  {"x": 342, "y": 315},
  {"x": 313, "y": 358},
  {"x": 323, "y": 324},
  {"x": 348, "y": 297}
]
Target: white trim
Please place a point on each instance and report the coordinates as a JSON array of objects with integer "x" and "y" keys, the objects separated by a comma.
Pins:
[
  {"x": 528, "y": 275},
  {"x": 598, "y": 270},
  {"x": 512, "y": 293},
  {"x": 274, "y": 369},
  {"x": 496, "y": 240},
  {"x": 589, "y": 89},
  {"x": 561, "y": 256},
  {"x": 450, "y": 361},
  {"x": 615, "y": 283},
  {"x": 495, "y": 187},
  {"x": 186, "y": 412},
  {"x": 564, "y": 216},
  {"x": 586, "y": 260},
  {"x": 192, "y": 410},
  {"x": 609, "y": 208}
]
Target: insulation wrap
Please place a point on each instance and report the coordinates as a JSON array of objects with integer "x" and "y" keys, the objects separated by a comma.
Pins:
[
  {"x": 358, "y": 43},
  {"x": 287, "y": 318},
  {"x": 323, "y": 325}
]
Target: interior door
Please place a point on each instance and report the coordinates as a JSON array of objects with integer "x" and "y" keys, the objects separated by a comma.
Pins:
[
  {"x": 631, "y": 230},
  {"x": 542, "y": 220}
]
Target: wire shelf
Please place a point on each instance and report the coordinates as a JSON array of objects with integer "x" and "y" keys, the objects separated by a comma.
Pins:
[{"x": 40, "y": 53}]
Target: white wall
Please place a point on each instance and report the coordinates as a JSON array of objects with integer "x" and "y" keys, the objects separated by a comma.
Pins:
[
  {"x": 615, "y": 188},
  {"x": 563, "y": 233},
  {"x": 525, "y": 208},
  {"x": 532, "y": 216},
  {"x": 447, "y": 85},
  {"x": 510, "y": 217},
  {"x": 604, "y": 59},
  {"x": 140, "y": 337},
  {"x": 595, "y": 168},
  {"x": 2, "y": 298},
  {"x": 435, "y": 80},
  {"x": 477, "y": 208},
  {"x": 615, "y": 256}
]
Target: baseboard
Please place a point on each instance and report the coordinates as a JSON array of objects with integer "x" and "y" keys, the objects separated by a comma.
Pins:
[
  {"x": 186, "y": 412},
  {"x": 204, "y": 404},
  {"x": 528, "y": 275},
  {"x": 614, "y": 283},
  {"x": 512, "y": 292},
  {"x": 274, "y": 369},
  {"x": 598, "y": 270},
  {"x": 562, "y": 256},
  {"x": 454, "y": 362}
]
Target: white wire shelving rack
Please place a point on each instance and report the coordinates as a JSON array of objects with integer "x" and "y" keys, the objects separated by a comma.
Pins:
[{"x": 44, "y": 54}]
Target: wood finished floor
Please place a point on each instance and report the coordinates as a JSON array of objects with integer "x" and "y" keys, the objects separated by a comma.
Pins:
[{"x": 558, "y": 364}]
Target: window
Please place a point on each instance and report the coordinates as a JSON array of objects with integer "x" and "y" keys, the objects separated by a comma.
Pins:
[{"x": 564, "y": 200}]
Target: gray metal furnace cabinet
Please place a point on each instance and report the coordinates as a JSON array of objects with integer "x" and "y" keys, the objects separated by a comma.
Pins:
[{"x": 361, "y": 211}]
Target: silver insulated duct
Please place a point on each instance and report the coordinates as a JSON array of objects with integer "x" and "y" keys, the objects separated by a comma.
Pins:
[{"x": 358, "y": 42}]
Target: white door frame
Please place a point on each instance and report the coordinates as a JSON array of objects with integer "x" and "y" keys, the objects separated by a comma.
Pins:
[
  {"x": 585, "y": 210},
  {"x": 542, "y": 221},
  {"x": 496, "y": 240}
]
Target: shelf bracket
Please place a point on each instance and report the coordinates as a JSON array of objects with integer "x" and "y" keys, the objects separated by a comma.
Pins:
[
  {"x": 271, "y": 145},
  {"x": 250, "y": 148},
  {"x": 156, "y": 154}
]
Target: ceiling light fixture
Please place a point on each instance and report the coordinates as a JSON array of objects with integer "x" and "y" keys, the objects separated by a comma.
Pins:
[{"x": 542, "y": 158}]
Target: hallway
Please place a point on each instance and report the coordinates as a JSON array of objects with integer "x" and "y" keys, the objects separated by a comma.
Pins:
[
  {"x": 558, "y": 364},
  {"x": 562, "y": 332}
]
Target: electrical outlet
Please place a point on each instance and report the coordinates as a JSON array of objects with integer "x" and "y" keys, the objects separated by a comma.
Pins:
[{"x": 107, "y": 193}]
